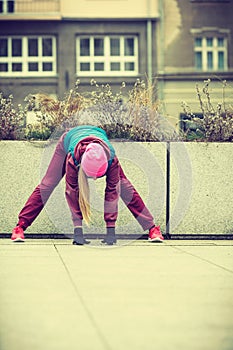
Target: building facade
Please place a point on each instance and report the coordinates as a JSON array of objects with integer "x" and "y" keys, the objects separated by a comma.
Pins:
[
  {"x": 196, "y": 44},
  {"x": 46, "y": 45}
]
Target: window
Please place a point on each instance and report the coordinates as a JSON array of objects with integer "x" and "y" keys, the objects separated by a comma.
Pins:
[
  {"x": 108, "y": 55},
  {"x": 210, "y": 53},
  {"x": 7, "y": 6},
  {"x": 27, "y": 56}
]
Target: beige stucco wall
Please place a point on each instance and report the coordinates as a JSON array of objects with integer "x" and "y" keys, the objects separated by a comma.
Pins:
[{"x": 109, "y": 8}]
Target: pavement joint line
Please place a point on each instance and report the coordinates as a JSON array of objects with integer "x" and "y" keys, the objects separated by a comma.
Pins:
[
  {"x": 89, "y": 314},
  {"x": 203, "y": 259},
  {"x": 139, "y": 243}
]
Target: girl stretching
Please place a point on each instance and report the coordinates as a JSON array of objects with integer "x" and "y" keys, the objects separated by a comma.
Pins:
[{"x": 81, "y": 153}]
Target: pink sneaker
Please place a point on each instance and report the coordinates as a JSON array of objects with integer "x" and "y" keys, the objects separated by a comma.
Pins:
[
  {"x": 155, "y": 235},
  {"x": 17, "y": 234}
]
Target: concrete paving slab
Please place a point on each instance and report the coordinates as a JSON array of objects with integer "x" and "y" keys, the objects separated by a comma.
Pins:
[
  {"x": 138, "y": 296},
  {"x": 39, "y": 306},
  {"x": 224, "y": 243},
  {"x": 221, "y": 256},
  {"x": 157, "y": 297},
  {"x": 6, "y": 241}
]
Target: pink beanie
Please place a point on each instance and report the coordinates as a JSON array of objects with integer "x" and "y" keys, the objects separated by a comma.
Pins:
[{"x": 94, "y": 160}]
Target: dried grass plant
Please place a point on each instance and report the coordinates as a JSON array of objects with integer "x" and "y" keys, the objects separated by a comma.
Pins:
[
  {"x": 132, "y": 115},
  {"x": 12, "y": 119},
  {"x": 216, "y": 125}
]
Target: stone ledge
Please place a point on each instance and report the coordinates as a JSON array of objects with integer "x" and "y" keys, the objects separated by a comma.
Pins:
[{"x": 200, "y": 197}]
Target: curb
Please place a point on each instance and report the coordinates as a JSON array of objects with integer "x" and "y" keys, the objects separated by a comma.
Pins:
[{"x": 125, "y": 236}]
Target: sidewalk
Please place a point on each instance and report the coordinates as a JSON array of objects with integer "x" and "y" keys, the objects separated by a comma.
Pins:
[{"x": 139, "y": 296}]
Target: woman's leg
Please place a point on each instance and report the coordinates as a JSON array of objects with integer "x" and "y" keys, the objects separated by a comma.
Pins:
[
  {"x": 135, "y": 203},
  {"x": 41, "y": 193}
]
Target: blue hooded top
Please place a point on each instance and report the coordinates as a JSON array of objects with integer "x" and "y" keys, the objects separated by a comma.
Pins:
[{"x": 78, "y": 133}]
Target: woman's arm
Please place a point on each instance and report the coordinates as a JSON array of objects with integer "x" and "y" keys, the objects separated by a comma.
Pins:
[
  {"x": 112, "y": 193},
  {"x": 72, "y": 191}
]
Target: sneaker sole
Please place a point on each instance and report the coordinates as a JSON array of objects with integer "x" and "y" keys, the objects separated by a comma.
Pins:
[
  {"x": 18, "y": 240},
  {"x": 105, "y": 243},
  {"x": 156, "y": 239}
]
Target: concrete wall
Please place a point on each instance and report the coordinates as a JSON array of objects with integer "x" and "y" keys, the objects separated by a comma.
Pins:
[
  {"x": 24, "y": 163},
  {"x": 201, "y": 190}
]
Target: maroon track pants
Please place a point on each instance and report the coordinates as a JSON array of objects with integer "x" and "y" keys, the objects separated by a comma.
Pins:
[{"x": 54, "y": 174}]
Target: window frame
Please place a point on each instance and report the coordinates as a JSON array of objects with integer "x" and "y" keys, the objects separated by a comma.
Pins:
[
  {"x": 6, "y": 5},
  {"x": 25, "y": 59},
  {"x": 212, "y": 51},
  {"x": 107, "y": 58}
]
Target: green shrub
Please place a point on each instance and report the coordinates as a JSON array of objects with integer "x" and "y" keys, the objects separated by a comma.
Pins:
[{"x": 37, "y": 132}]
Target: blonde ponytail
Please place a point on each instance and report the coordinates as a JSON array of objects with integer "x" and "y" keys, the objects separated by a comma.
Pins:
[{"x": 84, "y": 195}]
